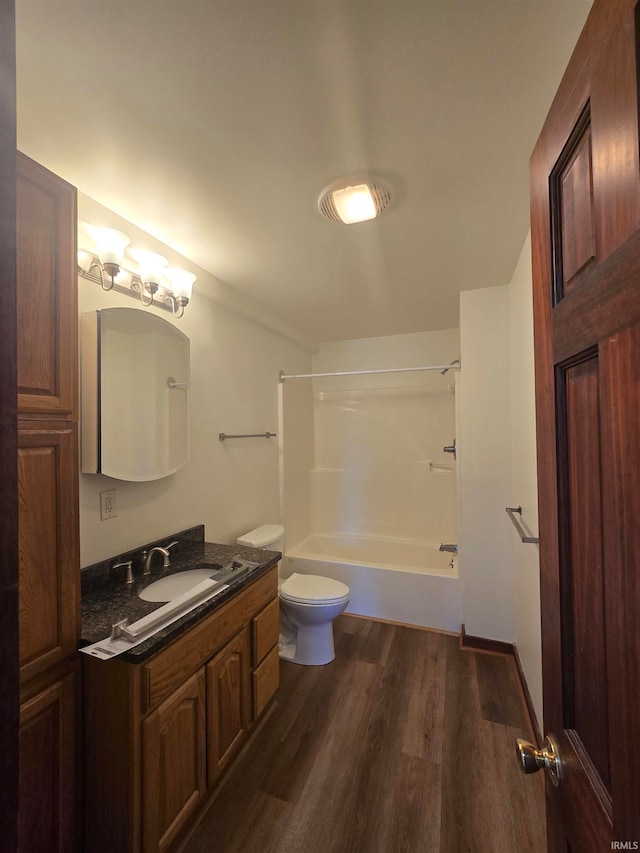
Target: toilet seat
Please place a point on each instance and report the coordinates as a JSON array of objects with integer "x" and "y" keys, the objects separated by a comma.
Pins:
[{"x": 313, "y": 589}]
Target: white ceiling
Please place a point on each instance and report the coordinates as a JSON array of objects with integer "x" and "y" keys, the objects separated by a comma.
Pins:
[{"x": 215, "y": 124}]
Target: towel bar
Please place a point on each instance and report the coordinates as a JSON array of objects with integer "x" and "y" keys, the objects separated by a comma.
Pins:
[{"x": 511, "y": 510}]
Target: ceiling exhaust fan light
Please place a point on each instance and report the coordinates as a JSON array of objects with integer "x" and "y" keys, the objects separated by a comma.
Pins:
[
  {"x": 354, "y": 204},
  {"x": 354, "y": 199}
]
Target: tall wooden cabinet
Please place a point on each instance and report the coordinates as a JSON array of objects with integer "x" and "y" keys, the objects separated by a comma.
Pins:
[{"x": 48, "y": 540}]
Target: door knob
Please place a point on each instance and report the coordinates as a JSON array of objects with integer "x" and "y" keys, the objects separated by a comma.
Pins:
[{"x": 532, "y": 759}]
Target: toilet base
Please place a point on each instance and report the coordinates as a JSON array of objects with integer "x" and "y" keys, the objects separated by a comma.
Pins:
[{"x": 311, "y": 646}]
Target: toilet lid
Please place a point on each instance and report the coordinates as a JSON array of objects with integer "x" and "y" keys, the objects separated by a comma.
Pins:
[{"x": 313, "y": 589}]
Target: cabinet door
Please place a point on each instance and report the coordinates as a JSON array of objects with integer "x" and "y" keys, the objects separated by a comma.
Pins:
[
  {"x": 47, "y": 770},
  {"x": 265, "y": 630},
  {"x": 228, "y": 702},
  {"x": 174, "y": 771},
  {"x": 47, "y": 291},
  {"x": 266, "y": 680},
  {"x": 48, "y": 544}
]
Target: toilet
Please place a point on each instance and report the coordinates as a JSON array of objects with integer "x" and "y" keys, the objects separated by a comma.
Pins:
[{"x": 308, "y": 605}]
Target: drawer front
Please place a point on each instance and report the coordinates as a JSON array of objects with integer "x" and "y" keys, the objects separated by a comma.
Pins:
[
  {"x": 170, "y": 668},
  {"x": 265, "y": 631},
  {"x": 266, "y": 679}
]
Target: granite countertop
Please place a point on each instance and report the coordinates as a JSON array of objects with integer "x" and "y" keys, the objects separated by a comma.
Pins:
[{"x": 106, "y": 599}]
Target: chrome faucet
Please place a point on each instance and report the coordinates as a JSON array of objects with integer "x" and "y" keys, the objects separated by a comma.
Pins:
[
  {"x": 147, "y": 556},
  {"x": 453, "y": 549}
]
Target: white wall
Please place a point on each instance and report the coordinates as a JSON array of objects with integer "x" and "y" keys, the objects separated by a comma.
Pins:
[
  {"x": 237, "y": 351},
  {"x": 524, "y": 481},
  {"x": 484, "y": 463},
  {"x": 497, "y": 468},
  {"x": 296, "y": 449}
]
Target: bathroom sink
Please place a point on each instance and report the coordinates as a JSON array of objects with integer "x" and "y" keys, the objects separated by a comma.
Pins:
[{"x": 171, "y": 586}]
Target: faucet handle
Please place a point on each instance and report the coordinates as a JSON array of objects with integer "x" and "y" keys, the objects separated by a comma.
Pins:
[
  {"x": 128, "y": 564},
  {"x": 167, "y": 561}
]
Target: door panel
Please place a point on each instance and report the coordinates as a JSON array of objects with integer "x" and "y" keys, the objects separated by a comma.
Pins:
[
  {"x": 582, "y": 581},
  {"x": 572, "y": 209},
  {"x": 228, "y": 703},
  {"x": 47, "y": 769},
  {"x": 46, "y": 292},
  {"x": 48, "y": 544},
  {"x": 174, "y": 769},
  {"x": 585, "y": 176}
]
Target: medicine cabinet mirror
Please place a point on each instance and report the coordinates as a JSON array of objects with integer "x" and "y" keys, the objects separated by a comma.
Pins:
[{"x": 135, "y": 395}]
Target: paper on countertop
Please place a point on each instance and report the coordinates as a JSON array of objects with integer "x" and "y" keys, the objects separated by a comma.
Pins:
[{"x": 156, "y": 621}]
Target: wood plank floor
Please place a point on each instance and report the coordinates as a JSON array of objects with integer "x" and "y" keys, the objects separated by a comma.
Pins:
[{"x": 403, "y": 743}]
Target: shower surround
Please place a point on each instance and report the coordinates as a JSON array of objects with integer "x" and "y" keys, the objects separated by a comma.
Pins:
[{"x": 382, "y": 492}]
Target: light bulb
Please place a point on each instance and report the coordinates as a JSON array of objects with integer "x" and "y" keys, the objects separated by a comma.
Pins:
[
  {"x": 181, "y": 282},
  {"x": 150, "y": 265},
  {"x": 354, "y": 204}
]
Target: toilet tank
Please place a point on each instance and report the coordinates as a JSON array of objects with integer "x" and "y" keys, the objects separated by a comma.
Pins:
[{"x": 270, "y": 536}]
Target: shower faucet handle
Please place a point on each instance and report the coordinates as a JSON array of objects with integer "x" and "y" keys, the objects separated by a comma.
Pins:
[{"x": 450, "y": 448}]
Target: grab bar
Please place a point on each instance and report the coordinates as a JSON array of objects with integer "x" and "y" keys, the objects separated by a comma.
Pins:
[
  {"x": 534, "y": 540},
  {"x": 223, "y": 436}
]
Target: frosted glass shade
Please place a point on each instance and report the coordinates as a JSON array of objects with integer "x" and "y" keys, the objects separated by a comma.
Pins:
[
  {"x": 110, "y": 244},
  {"x": 354, "y": 204},
  {"x": 150, "y": 265},
  {"x": 181, "y": 282}
]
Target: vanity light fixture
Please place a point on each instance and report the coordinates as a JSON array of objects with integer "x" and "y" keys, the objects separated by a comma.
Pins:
[
  {"x": 151, "y": 270},
  {"x": 146, "y": 277},
  {"x": 110, "y": 245},
  {"x": 181, "y": 287},
  {"x": 355, "y": 199}
]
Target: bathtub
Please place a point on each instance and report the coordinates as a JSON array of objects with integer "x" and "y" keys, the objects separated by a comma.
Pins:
[{"x": 398, "y": 580}]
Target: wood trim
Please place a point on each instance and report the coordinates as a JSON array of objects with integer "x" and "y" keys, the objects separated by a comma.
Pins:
[
  {"x": 498, "y": 647},
  {"x": 9, "y": 704},
  {"x": 483, "y": 644},
  {"x": 535, "y": 725},
  {"x": 400, "y": 624},
  {"x": 606, "y": 292},
  {"x": 112, "y": 742}
]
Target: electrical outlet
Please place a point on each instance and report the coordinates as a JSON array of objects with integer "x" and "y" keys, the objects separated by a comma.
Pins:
[{"x": 108, "y": 504}]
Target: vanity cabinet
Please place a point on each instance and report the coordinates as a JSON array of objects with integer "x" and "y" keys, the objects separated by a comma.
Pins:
[
  {"x": 174, "y": 762},
  {"x": 48, "y": 530},
  {"x": 159, "y": 734},
  {"x": 228, "y": 703}
]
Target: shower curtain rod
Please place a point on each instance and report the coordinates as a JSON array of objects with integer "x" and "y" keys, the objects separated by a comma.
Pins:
[{"x": 455, "y": 365}]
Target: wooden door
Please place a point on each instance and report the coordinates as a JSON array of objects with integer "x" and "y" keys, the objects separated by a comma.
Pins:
[
  {"x": 9, "y": 666},
  {"x": 228, "y": 703},
  {"x": 47, "y": 816},
  {"x": 46, "y": 292},
  {"x": 48, "y": 544},
  {"x": 585, "y": 207},
  {"x": 174, "y": 764}
]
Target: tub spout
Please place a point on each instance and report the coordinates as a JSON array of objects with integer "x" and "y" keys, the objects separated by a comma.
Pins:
[{"x": 453, "y": 549}]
